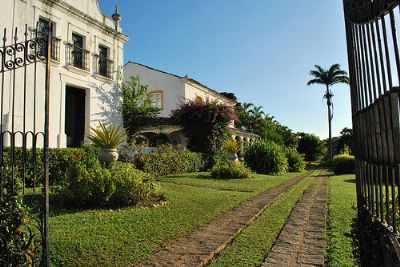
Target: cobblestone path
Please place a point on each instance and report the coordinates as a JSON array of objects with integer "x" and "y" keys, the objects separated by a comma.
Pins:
[
  {"x": 302, "y": 241},
  {"x": 200, "y": 247}
]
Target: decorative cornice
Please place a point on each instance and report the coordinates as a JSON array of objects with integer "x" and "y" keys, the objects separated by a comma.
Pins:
[{"x": 62, "y": 5}]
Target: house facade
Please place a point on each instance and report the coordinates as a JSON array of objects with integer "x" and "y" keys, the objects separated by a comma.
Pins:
[
  {"x": 85, "y": 73},
  {"x": 169, "y": 91}
]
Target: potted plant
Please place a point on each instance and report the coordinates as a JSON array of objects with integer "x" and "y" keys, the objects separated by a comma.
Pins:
[{"x": 108, "y": 137}]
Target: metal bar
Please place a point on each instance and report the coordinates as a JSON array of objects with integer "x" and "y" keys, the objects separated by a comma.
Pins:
[
  {"x": 2, "y": 114},
  {"x": 388, "y": 65},
  {"x": 367, "y": 65},
  {"x": 394, "y": 39},
  {"x": 387, "y": 211},
  {"x": 371, "y": 58},
  {"x": 393, "y": 191},
  {"x": 46, "y": 260},
  {"x": 377, "y": 60},
  {"x": 24, "y": 112}
]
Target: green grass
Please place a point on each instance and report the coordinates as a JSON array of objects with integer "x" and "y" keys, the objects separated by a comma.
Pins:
[
  {"x": 126, "y": 236},
  {"x": 254, "y": 242},
  {"x": 256, "y": 184},
  {"x": 342, "y": 200}
]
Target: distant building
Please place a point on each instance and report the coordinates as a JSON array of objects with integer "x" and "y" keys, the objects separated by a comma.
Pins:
[
  {"x": 168, "y": 91},
  {"x": 87, "y": 59}
]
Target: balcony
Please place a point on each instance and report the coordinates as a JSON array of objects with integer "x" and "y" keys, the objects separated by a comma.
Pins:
[
  {"x": 78, "y": 57},
  {"x": 55, "y": 48},
  {"x": 104, "y": 67}
]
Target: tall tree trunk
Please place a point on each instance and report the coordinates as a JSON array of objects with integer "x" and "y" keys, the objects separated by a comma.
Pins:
[{"x": 329, "y": 103}]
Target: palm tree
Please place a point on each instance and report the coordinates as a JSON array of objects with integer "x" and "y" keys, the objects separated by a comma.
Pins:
[
  {"x": 334, "y": 75},
  {"x": 257, "y": 112}
]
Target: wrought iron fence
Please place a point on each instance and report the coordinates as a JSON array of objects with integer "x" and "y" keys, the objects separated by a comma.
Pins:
[
  {"x": 374, "y": 65},
  {"x": 24, "y": 127}
]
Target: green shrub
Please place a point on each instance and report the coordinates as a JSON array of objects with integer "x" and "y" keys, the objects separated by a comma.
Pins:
[
  {"x": 230, "y": 170},
  {"x": 19, "y": 246},
  {"x": 59, "y": 162},
  {"x": 266, "y": 158},
  {"x": 343, "y": 163},
  {"x": 90, "y": 185},
  {"x": 132, "y": 186},
  {"x": 168, "y": 161},
  {"x": 295, "y": 160}
]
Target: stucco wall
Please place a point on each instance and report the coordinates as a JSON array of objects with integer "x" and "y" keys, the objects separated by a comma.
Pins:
[
  {"x": 172, "y": 87},
  {"x": 192, "y": 91},
  {"x": 102, "y": 94}
]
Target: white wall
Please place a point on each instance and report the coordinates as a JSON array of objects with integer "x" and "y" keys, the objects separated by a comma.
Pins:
[
  {"x": 172, "y": 87},
  {"x": 102, "y": 94},
  {"x": 193, "y": 90}
]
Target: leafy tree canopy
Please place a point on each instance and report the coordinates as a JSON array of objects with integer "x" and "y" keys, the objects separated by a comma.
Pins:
[
  {"x": 311, "y": 146},
  {"x": 137, "y": 108},
  {"x": 205, "y": 124}
]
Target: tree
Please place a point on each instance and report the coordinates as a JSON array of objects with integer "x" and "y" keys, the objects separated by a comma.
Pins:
[
  {"x": 334, "y": 75},
  {"x": 137, "y": 108},
  {"x": 311, "y": 146},
  {"x": 231, "y": 96},
  {"x": 345, "y": 140},
  {"x": 204, "y": 124}
]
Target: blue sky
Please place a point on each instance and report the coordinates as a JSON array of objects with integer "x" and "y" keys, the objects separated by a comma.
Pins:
[{"x": 261, "y": 50}]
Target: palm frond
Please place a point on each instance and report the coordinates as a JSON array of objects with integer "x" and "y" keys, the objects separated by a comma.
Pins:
[
  {"x": 107, "y": 136},
  {"x": 315, "y": 81}
]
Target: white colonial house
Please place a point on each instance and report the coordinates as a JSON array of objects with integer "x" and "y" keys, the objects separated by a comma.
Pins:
[
  {"x": 168, "y": 91},
  {"x": 86, "y": 67}
]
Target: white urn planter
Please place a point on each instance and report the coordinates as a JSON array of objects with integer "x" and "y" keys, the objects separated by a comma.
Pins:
[
  {"x": 108, "y": 155},
  {"x": 232, "y": 156}
]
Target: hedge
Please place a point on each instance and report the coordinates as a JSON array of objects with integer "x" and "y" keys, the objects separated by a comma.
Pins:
[
  {"x": 59, "y": 161},
  {"x": 168, "y": 161},
  {"x": 266, "y": 157},
  {"x": 343, "y": 164}
]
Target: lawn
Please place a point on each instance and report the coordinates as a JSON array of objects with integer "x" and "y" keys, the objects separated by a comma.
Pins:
[
  {"x": 342, "y": 212},
  {"x": 126, "y": 236},
  {"x": 253, "y": 243}
]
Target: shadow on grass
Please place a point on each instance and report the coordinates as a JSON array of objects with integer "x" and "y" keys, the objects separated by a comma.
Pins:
[{"x": 353, "y": 181}]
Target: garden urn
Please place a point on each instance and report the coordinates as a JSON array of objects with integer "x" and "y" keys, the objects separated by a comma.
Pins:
[{"x": 109, "y": 155}]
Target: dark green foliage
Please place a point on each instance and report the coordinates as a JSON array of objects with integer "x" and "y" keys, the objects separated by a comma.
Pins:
[
  {"x": 343, "y": 164},
  {"x": 59, "y": 161},
  {"x": 295, "y": 160},
  {"x": 137, "y": 108},
  {"x": 267, "y": 158},
  {"x": 18, "y": 245},
  {"x": 311, "y": 146},
  {"x": 168, "y": 161},
  {"x": 254, "y": 119},
  {"x": 228, "y": 169},
  {"x": 90, "y": 185},
  {"x": 344, "y": 142},
  {"x": 205, "y": 124}
]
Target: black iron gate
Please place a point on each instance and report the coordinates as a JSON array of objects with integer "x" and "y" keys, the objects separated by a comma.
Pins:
[
  {"x": 24, "y": 126},
  {"x": 374, "y": 64}
]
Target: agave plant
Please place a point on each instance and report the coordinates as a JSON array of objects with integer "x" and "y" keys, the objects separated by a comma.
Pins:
[{"x": 107, "y": 136}]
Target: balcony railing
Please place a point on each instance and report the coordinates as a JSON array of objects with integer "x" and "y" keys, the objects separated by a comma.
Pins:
[
  {"x": 55, "y": 48},
  {"x": 78, "y": 57},
  {"x": 104, "y": 66}
]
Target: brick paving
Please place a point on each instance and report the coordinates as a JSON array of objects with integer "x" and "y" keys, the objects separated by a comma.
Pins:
[
  {"x": 201, "y": 246},
  {"x": 302, "y": 241}
]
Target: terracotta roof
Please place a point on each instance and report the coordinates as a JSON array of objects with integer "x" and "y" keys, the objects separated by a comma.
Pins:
[{"x": 183, "y": 78}]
